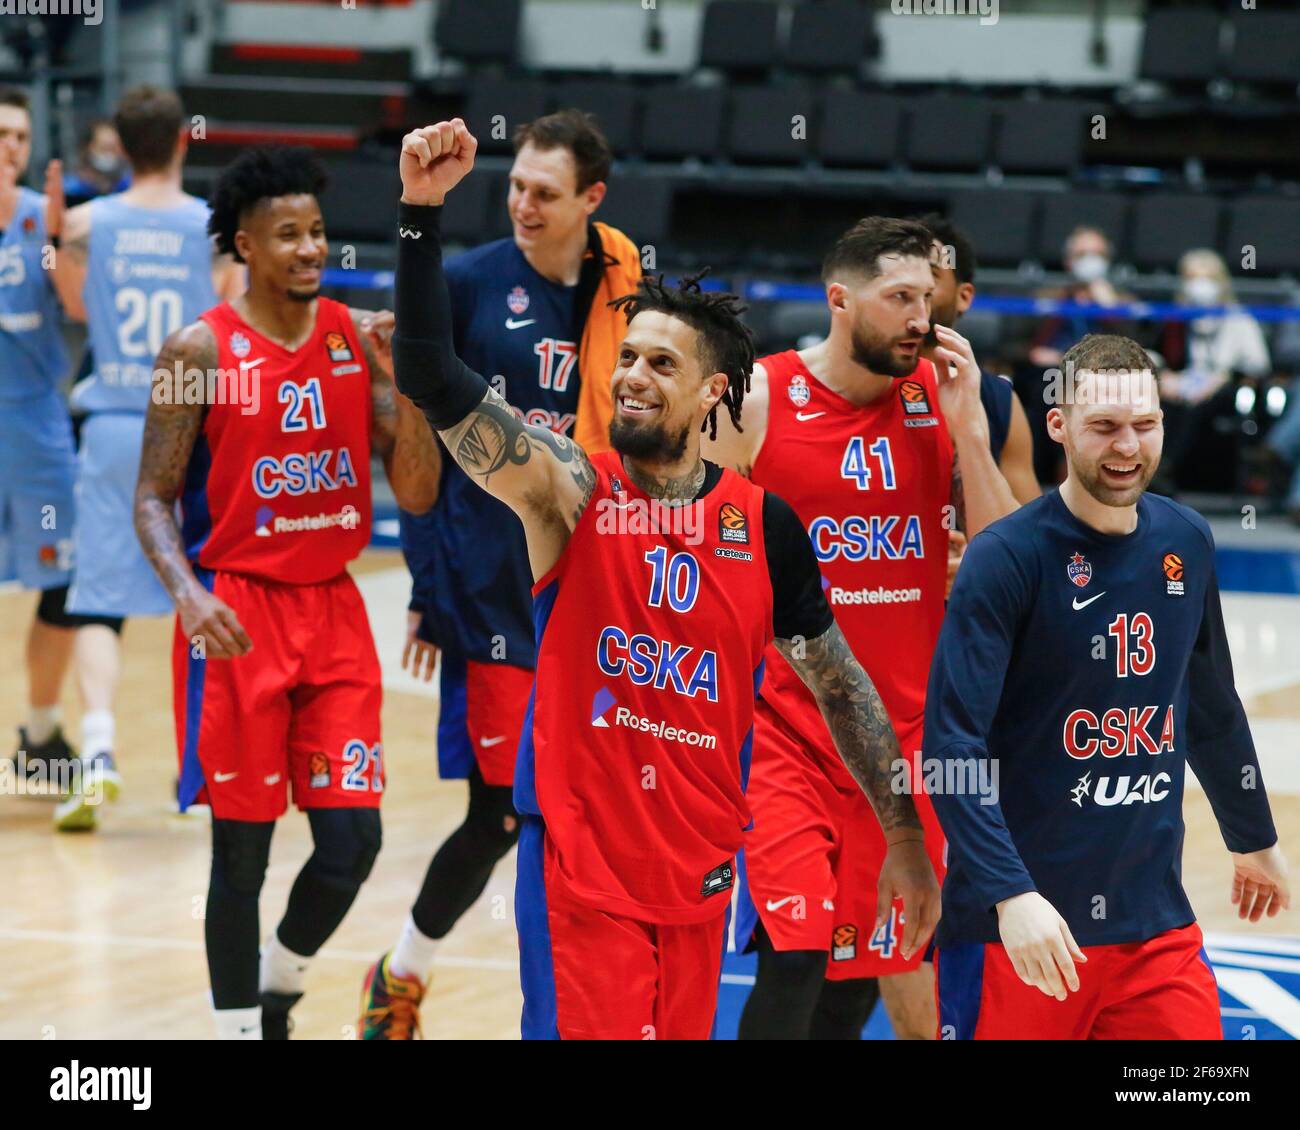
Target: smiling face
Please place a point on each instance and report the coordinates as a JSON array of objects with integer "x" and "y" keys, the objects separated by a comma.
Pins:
[
  {"x": 546, "y": 208},
  {"x": 15, "y": 143},
  {"x": 887, "y": 316},
  {"x": 1112, "y": 434},
  {"x": 661, "y": 390},
  {"x": 283, "y": 242}
]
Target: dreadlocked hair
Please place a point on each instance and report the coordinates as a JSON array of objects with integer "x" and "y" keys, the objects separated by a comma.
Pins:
[{"x": 723, "y": 343}]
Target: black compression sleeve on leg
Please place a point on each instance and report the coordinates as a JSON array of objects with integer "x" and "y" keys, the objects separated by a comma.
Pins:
[
  {"x": 461, "y": 868},
  {"x": 240, "y": 850},
  {"x": 785, "y": 993},
  {"x": 425, "y": 364},
  {"x": 346, "y": 842},
  {"x": 844, "y": 1008}
]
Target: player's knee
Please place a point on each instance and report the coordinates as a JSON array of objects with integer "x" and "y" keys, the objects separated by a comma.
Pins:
[
  {"x": 347, "y": 842},
  {"x": 240, "y": 852},
  {"x": 491, "y": 823}
]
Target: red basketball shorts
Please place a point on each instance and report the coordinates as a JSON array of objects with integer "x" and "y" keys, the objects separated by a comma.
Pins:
[
  {"x": 812, "y": 860},
  {"x": 1160, "y": 989},
  {"x": 300, "y": 711},
  {"x": 496, "y": 701}
]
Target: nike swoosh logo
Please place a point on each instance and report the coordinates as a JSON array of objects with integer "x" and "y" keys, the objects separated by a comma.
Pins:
[
  {"x": 1084, "y": 604},
  {"x": 488, "y": 743},
  {"x": 273, "y": 779},
  {"x": 222, "y": 778},
  {"x": 777, "y": 905},
  {"x": 808, "y": 415},
  {"x": 246, "y": 365},
  {"x": 511, "y": 324}
]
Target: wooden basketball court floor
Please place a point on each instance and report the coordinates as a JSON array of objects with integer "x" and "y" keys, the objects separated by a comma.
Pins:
[{"x": 101, "y": 935}]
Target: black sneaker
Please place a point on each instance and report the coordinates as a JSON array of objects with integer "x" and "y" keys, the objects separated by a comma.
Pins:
[
  {"x": 47, "y": 763},
  {"x": 276, "y": 1022}
]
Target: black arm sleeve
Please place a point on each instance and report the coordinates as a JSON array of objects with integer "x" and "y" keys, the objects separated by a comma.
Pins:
[
  {"x": 1220, "y": 749},
  {"x": 799, "y": 605},
  {"x": 425, "y": 364}
]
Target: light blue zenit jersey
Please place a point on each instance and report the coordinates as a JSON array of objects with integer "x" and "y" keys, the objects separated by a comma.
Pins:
[
  {"x": 33, "y": 359},
  {"x": 149, "y": 273}
]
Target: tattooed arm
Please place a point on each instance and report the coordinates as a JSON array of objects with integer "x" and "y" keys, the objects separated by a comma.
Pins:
[
  {"x": 170, "y": 431},
  {"x": 399, "y": 433},
  {"x": 545, "y": 478}
]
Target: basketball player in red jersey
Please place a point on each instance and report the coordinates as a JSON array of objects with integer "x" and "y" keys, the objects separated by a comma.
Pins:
[
  {"x": 277, "y": 685},
  {"x": 660, "y": 581},
  {"x": 880, "y": 457}
]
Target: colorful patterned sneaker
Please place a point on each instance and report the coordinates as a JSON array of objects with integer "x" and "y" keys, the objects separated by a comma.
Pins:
[
  {"x": 390, "y": 1005},
  {"x": 96, "y": 781},
  {"x": 276, "y": 1021}
]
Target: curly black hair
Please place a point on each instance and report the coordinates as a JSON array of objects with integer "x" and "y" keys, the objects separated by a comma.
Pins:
[
  {"x": 260, "y": 174},
  {"x": 723, "y": 343}
]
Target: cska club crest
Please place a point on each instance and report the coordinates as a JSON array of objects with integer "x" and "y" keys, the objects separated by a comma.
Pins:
[
  {"x": 517, "y": 300},
  {"x": 1080, "y": 572},
  {"x": 797, "y": 390}
]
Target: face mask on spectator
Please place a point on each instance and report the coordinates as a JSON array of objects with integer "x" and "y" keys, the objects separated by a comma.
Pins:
[
  {"x": 1203, "y": 291},
  {"x": 107, "y": 164},
  {"x": 1090, "y": 268}
]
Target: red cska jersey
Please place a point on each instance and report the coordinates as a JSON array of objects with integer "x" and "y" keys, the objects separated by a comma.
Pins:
[
  {"x": 278, "y": 485},
  {"x": 870, "y": 485},
  {"x": 635, "y": 752}
]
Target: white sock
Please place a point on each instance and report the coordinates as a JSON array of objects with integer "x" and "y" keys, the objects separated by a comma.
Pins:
[
  {"x": 239, "y": 1023},
  {"x": 413, "y": 954},
  {"x": 97, "y": 729},
  {"x": 42, "y": 721},
  {"x": 282, "y": 971}
]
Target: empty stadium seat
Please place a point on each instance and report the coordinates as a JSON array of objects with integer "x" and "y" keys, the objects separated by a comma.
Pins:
[
  {"x": 1167, "y": 224},
  {"x": 1064, "y": 212},
  {"x": 859, "y": 129},
  {"x": 494, "y": 107},
  {"x": 831, "y": 37},
  {"x": 763, "y": 126},
  {"x": 360, "y": 200},
  {"x": 478, "y": 31},
  {"x": 1040, "y": 137},
  {"x": 682, "y": 121},
  {"x": 739, "y": 35},
  {"x": 613, "y": 103},
  {"x": 949, "y": 132},
  {"x": 468, "y": 214},
  {"x": 640, "y": 205},
  {"x": 1001, "y": 223},
  {"x": 1268, "y": 224},
  {"x": 1180, "y": 46},
  {"x": 1265, "y": 48}
]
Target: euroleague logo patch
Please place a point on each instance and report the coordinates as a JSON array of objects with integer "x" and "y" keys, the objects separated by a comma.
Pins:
[
  {"x": 798, "y": 392},
  {"x": 319, "y": 768},
  {"x": 915, "y": 401},
  {"x": 1172, "y": 564},
  {"x": 338, "y": 347},
  {"x": 733, "y": 526},
  {"x": 1079, "y": 571},
  {"x": 844, "y": 943}
]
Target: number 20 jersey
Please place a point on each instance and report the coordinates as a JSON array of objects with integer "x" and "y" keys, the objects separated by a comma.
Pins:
[
  {"x": 650, "y": 651},
  {"x": 278, "y": 485},
  {"x": 870, "y": 485}
]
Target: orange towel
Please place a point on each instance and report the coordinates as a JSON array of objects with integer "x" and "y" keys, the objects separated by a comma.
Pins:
[{"x": 601, "y": 337}]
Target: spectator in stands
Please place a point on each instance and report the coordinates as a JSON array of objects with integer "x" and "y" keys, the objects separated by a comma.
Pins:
[
  {"x": 1283, "y": 444},
  {"x": 101, "y": 164},
  {"x": 1201, "y": 357}
]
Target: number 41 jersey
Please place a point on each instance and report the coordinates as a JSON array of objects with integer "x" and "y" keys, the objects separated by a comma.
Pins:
[
  {"x": 278, "y": 485},
  {"x": 650, "y": 651}
]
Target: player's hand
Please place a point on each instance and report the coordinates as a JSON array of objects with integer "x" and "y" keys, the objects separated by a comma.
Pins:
[
  {"x": 907, "y": 874},
  {"x": 959, "y": 385},
  {"x": 378, "y": 328},
  {"x": 956, "y": 550},
  {"x": 434, "y": 160},
  {"x": 55, "y": 203},
  {"x": 1260, "y": 884},
  {"x": 204, "y": 617},
  {"x": 418, "y": 656},
  {"x": 1042, "y": 950}
]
